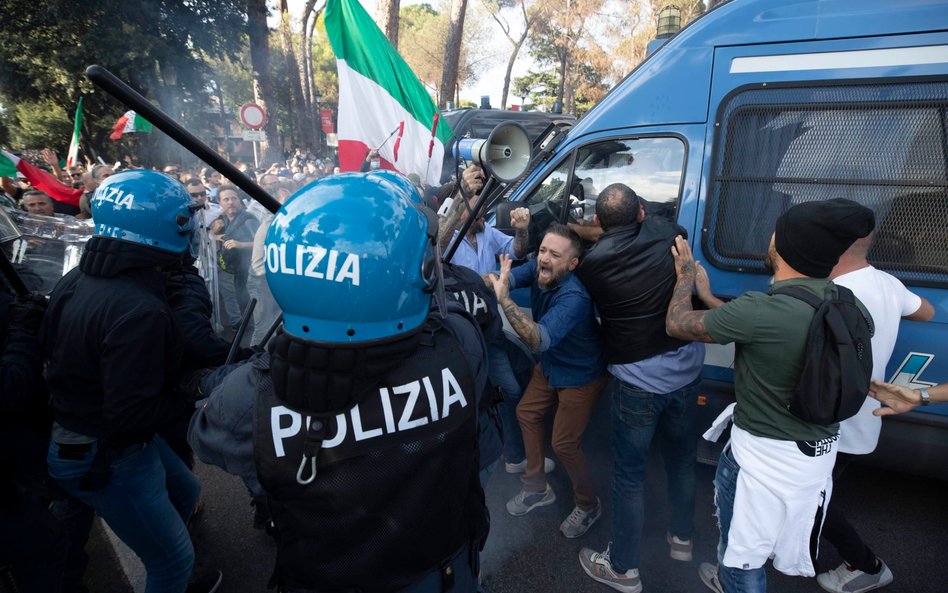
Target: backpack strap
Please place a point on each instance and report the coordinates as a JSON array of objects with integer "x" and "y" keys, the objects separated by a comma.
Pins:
[{"x": 802, "y": 294}]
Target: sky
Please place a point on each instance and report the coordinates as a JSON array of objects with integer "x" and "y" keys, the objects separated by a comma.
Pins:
[{"x": 490, "y": 81}]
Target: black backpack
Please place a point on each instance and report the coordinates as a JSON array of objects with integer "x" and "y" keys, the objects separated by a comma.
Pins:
[{"x": 837, "y": 367}]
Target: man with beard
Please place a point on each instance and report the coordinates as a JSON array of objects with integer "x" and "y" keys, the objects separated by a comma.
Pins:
[
  {"x": 478, "y": 250},
  {"x": 482, "y": 244},
  {"x": 774, "y": 477},
  {"x": 571, "y": 372}
]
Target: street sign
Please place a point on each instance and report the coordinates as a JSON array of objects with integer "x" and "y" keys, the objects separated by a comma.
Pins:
[
  {"x": 253, "y": 116},
  {"x": 254, "y": 135}
]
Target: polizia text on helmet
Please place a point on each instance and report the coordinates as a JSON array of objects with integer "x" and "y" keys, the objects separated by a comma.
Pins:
[
  {"x": 116, "y": 195},
  {"x": 312, "y": 262}
]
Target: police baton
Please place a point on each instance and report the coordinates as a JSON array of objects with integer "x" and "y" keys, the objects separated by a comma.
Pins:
[
  {"x": 241, "y": 329},
  {"x": 124, "y": 93}
]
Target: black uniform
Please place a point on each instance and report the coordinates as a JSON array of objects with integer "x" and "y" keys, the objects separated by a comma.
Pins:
[
  {"x": 33, "y": 546},
  {"x": 393, "y": 496},
  {"x": 109, "y": 329}
]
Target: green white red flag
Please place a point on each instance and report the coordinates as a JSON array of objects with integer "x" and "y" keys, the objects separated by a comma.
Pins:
[
  {"x": 73, "y": 155},
  {"x": 381, "y": 101},
  {"x": 128, "y": 123},
  {"x": 11, "y": 164}
]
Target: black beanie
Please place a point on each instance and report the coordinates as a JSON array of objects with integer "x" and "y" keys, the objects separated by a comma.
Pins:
[{"x": 811, "y": 236}]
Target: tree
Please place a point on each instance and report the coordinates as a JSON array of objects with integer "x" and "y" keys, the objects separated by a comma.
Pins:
[
  {"x": 386, "y": 16},
  {"x": 496, "y": 9},
  {"x": 299, "y": 109},
  {"x": 423, "y": 31},
  {"x": 153, "y": 40},
  {"x": 452, "y": 53},
  {"x": 260, "y": 62}
]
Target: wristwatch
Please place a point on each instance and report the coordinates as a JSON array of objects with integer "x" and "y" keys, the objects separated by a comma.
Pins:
[{"x": 923, "y": 393}]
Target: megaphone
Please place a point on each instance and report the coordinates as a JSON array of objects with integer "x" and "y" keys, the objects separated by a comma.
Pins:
[{"x": 504, "y": 155}]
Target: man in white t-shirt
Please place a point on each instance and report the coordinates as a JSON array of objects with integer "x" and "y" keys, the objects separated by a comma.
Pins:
[{"x": 888, "y": 301}]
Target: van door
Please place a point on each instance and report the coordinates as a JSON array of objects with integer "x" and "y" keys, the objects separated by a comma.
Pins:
[{"x": 862, "y": 119}]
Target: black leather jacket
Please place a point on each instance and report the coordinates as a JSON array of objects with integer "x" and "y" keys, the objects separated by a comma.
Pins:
[{"x": 630, "y": 274}]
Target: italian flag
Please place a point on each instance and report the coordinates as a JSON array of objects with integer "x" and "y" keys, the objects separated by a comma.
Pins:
[
  {"x": 128, "y": 123},
  {"x": 38, "y": 178},
  {"x": 381, "y": 101},
  {"x": 73, "y": 156}
]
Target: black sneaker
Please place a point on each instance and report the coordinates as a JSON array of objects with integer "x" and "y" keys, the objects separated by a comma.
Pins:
[{"x": 208, "y": 583}]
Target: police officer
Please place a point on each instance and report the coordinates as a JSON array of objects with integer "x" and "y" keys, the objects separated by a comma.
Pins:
[
  {"x": 114, "y": 359},
  {"x": 360, "y": 420},
  {"x": 468, "y": 290}
]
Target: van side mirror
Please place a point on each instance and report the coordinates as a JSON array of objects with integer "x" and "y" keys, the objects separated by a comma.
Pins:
[{"x": 502, "y": 217}]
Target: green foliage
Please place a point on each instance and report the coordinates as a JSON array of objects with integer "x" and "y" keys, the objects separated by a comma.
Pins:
[
  {"x": 140, "y": 42},
  {"x": 39, "y": 124},
  {"x": 538, "y": 87}
]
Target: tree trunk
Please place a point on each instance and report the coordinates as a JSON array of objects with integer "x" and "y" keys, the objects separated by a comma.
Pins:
[
  {"x": 303, "y": 125},
  {"x": 262, "y": 86},
  {"x": 510, "y": 64},
  {"x": 306, "y": 67},
  {"x": 317, "y": 119},
  {"x": 452, "y": 52},
  {"x": 560, "y": 91},
  {"x": 386, "y": 16}
]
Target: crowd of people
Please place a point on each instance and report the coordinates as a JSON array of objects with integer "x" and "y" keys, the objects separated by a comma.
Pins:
[{"x": 366, "y": 427}]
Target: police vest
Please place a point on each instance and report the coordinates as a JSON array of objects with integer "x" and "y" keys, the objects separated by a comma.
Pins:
[
  {"x": 396, "y": 489},
  {"x": 467, "y": 287}
]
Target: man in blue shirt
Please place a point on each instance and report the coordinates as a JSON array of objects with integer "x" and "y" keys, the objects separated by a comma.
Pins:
[
  {"x": 478, "y": 250},
  {"x": 571, "y": 372}
]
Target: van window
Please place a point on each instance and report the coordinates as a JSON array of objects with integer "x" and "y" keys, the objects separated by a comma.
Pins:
[
  {"x": 882, "y": 145},
  {"x": 652, "y": 167}
]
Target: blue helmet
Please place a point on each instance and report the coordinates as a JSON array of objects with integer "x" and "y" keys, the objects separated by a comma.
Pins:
[
  {"x": 349, "y": 258},
  {"x": 146, "y": 207},
  {"x": 399, "y": 181}
]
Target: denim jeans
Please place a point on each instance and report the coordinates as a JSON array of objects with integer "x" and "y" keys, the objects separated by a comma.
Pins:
[
  {"x": 734, "y": 580},
  {"x": 76, "y": 519},
  {"x": 502, "y": 375},
  {"x": 637, "y": 417},
  {"x": 148, "y": 499}
]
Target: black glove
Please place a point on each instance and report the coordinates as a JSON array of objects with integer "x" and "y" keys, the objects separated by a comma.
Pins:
[
  {"x": 26, "y": 312},
  {"x": 190, "y": 384}
]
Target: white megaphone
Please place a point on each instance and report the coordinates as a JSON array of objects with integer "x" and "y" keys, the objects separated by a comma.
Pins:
[{"x": 504, "y": 155}]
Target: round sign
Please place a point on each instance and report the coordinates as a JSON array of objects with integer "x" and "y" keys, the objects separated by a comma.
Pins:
[{"x": 253, "y": 116}]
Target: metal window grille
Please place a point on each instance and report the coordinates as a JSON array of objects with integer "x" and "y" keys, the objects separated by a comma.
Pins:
[{"x": 882, "y": 145}]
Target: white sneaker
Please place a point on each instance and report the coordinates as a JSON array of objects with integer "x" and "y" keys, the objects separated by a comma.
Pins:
[
  {"x": 598, "y": 566},
  {"x": 679, "y": 549},
  {"x": 579, "y": 521},
  {"x": 846, "y": 579},
  {"x": 518, "y": 468}
]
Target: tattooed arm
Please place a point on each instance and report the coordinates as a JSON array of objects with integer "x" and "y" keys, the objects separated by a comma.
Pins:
[
  {"x": 449, "y": 223},
  {"x": 525, "y": 327},
  {"x": 520, "y": 220},
  {"x": 682, "y": 321}
]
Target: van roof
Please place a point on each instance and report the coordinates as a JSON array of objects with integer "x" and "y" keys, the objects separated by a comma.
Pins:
[{"x": 683, "y": 65}]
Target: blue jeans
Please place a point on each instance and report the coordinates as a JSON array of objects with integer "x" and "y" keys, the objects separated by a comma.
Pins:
[
  {"x": 502, "y": 375},
  {"x": 637, "y": 416},
  {"x": 148, "y": 499},
  {"x": 734, "y": 580}
]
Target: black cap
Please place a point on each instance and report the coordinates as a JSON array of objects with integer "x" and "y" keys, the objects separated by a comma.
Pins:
[{"x": 811, "y": 236}]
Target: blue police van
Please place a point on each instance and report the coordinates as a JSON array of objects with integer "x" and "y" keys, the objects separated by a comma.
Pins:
[{"x": 762, "y": 104}]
